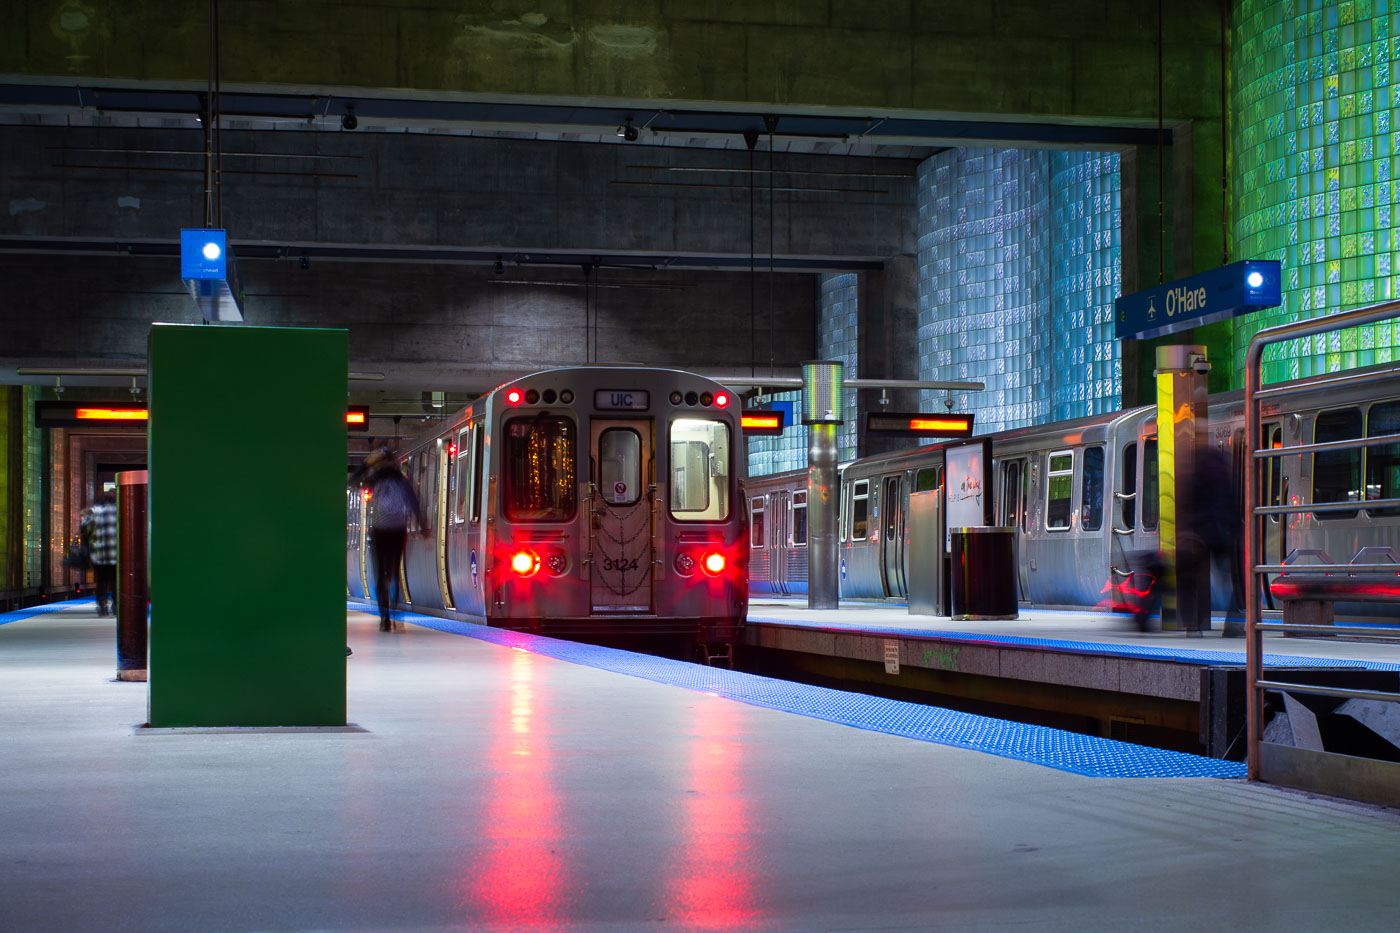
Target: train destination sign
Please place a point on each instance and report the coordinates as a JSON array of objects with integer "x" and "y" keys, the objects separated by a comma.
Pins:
[
  {"x": 917, "y": 424},
  {"x": 622, "y": 400},
  {"x": 1222, "y": 293},
  {"x": 758, "y": 422}
]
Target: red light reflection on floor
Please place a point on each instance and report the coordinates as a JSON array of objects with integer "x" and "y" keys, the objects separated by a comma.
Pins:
[
  {"x": 521, "y": 877},
  {"x": 713, "y": 877}
]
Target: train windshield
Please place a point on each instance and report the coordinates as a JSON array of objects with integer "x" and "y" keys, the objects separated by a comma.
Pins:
[
  {"x": 699, "y": 470},
  {"x": 538, "y": 467}
]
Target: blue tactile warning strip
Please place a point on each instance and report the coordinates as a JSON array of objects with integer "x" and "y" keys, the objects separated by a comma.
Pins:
[
  {"x": 29, "y": 611},
  {"x": 1052, "y": 748},
  {"x": 1108, "y": 649}
]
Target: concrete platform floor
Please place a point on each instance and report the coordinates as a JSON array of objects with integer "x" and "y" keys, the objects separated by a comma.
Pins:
[{"x": 495, "y": 789}]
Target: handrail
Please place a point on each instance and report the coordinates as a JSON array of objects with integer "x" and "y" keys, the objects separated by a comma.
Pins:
[{"x": 1254, "y": 529}]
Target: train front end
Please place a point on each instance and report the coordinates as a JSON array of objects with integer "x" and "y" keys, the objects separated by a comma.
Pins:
[{"x": 614, "y": 493}]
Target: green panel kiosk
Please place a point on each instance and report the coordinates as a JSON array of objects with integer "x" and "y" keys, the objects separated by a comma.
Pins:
[{"x": 247, "y": 515}]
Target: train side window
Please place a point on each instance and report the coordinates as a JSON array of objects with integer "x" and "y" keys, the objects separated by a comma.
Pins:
[
  {"x": 538, "y": 468},
  {"x": 1059, "y": 490},
  {"x": 860, "y": 510},
  {"x": 843, "y": 520},
  {"x": 1383, "y": 463},
  {"x": 799, "y": 519},
  {"x": 1273, "y": 467},
  {"x": 1337, "y": 473},
  {"x": 620, "y": 466},
  {"x": 478, "y": 469},
  {"x": 463, "y": 479},
  {"x": 699, "y": 469},
  {"x": 756, "y": 522},
  {"x": 1091, "y": 490},
  {"x": 926, "y": 479},
  {"x": 1151, "y": 503},
  {"x": 1011, "y": 501},
  {"x": 1127, "y": 484}
]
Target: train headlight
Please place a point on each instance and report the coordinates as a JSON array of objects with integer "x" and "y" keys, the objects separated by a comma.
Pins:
[
  {"x": 525, "y": 562},
  {"x": 714, "y": 563},
  {"x": 685, "y": 563},
  {"x": 556, "y": 562},
  {"x": 721, "y": 399}
]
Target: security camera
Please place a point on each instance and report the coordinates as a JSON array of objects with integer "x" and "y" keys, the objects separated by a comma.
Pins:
[{"x": 348, "y": 120}]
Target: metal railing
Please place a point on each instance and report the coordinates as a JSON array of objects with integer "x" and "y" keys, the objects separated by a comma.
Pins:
[{"x": 1256, "y": 514}]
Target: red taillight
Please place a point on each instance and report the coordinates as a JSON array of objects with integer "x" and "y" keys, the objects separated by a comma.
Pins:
[
  {"x": 714, "y": 563},
  {"x": 525, "y": 562},
  {"x": 514, "y": 396},
  {"x": 367, "y": 494},
  {"x": 721, "y": 399}
]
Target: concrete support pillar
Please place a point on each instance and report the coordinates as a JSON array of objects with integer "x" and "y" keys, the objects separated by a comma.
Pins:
[
  {"x": 823, "y": 512},
  {"x": 887, "y": 327},
  {"x": 1182, "y": 433}
]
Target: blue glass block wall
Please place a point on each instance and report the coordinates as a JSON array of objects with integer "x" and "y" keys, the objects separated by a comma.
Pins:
[
  {"x": 33, "y": 493},
  {"x": 983, "y": 301},
  {"x": 779, "y": 454},
  {"x": 1086, "y": 266},
  {"x": 1313, "y": 175},
  {"x": 836, "y": 340}
]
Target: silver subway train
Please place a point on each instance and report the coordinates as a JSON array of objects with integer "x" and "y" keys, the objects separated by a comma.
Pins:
[
  {"x": 1082, "y": 497},
  {"x": 595, "y": 500}
]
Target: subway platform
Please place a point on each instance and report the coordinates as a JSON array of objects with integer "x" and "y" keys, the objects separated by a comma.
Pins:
[{"x": 494, "y": 781}]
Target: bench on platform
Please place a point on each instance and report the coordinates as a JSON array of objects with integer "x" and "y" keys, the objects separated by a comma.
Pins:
[{"x": 1309, "y": 593}]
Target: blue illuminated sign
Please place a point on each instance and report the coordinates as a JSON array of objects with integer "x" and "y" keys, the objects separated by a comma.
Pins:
[
  {"x": 203, "y": 254},
  {"x": 1222, "y": 293}
]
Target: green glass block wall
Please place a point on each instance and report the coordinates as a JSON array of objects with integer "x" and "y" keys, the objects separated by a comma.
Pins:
[
  {"x": 33, "y": 492},
  {"x": 1086, "y": 256},
  {"x": 1313, "y": 115},
  {"x": 836, "y": 340}
]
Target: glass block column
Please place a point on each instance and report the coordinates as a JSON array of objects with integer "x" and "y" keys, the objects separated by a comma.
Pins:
[
  {"x": 836, "y": 340},
  {"x": 1313, "y": 111}
]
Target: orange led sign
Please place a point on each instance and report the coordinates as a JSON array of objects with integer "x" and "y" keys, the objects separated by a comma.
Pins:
[
  {"x": 357, "y": 417},
  {"x": 87, "y": 414},
  {"x": 916, "y": 424},
  {"x": 111, "y": 414},
  {"x": 757, "y": 423}
]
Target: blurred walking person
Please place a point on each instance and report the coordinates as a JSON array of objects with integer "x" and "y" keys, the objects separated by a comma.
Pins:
[
  {"x": 394, "y": 512},
  {"x": 99, "y": 528}
]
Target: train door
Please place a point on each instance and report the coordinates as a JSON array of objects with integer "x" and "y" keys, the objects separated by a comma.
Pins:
[
  {"x": 1123, "y": 529},
  {"x": 1274, "y": 487},
  {"x": 761, "y": 573},
  {"x": 441, "y": 521},
  {"x": 404, "y": 592},
  {"x": 779, "y": 528},
  {"x": 620, "y": 526},
  {"x": 892, "y": 537},
  {"x": 1011, "y": 512}
]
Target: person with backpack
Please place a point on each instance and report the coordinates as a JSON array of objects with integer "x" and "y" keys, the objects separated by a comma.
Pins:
[
  {"x": 99, "y": 530},
  {"x": 394, "y": 512}
]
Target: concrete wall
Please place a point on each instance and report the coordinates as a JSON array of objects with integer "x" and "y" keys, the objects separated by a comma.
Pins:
[{"x": 442, "y": 327}]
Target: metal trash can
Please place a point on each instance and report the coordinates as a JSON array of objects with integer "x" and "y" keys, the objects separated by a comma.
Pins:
[{"x": 983, "y": 573}]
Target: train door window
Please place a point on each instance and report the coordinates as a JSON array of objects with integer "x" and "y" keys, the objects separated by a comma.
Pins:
[
  {"x": 1151, "y": 503},
  {"x": 1127, "y": 483},
  {"x": 1010, "y": 500},
  {"x": 756, "y": 522},
  {"x": 843, "y": 520},
  {"x": 699, "y": 469},
  {"x": 620, "y": 465},
  {"x": 799, "y": 519},
  {"x": 463, "y": 476},
  {"x": 1273, "y": 466},
  {"x": 1337, "y": 473},
  {"x": 1383, "y": 463},
  {"x": 478, "y": 469},
  {"x": 1091, "y": 490},
  {"x": 539, "y": 471},
  {"x": 860, "y": 510},
  {"x": 926, "y": 479},
  {"x": 1059, "y": 490}
]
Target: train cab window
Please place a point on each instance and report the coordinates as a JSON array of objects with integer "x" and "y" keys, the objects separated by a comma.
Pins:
[
  {"x": 1059, "y": 490},
  {"x": 463, "y": 480},
  {"x": 699, "y": 470},
  {"x": 1383, "y": 463},
  {"x": 926, "y": 479},
  {"x": 860, "y": 510},
  {"x": 620, "y": 466},
  {"x": 539, "y": 470},
  {"x": 1127, "y": 484},
  {"x": 799, "y": 519},
  {"x": 1337, "y": 473},
  {"x": 756, "y": 522},
  {"x": 1091, "y": 490},
  {"x": 478, "y": 468},
  {"x": 1151, "y": 504},
  {"x": 1273, "y": 467}
]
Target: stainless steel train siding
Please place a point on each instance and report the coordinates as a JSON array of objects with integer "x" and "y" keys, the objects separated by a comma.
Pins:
[
  {"x": 1083, "y": 497},
  {"x": 578, "y": 501}
]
